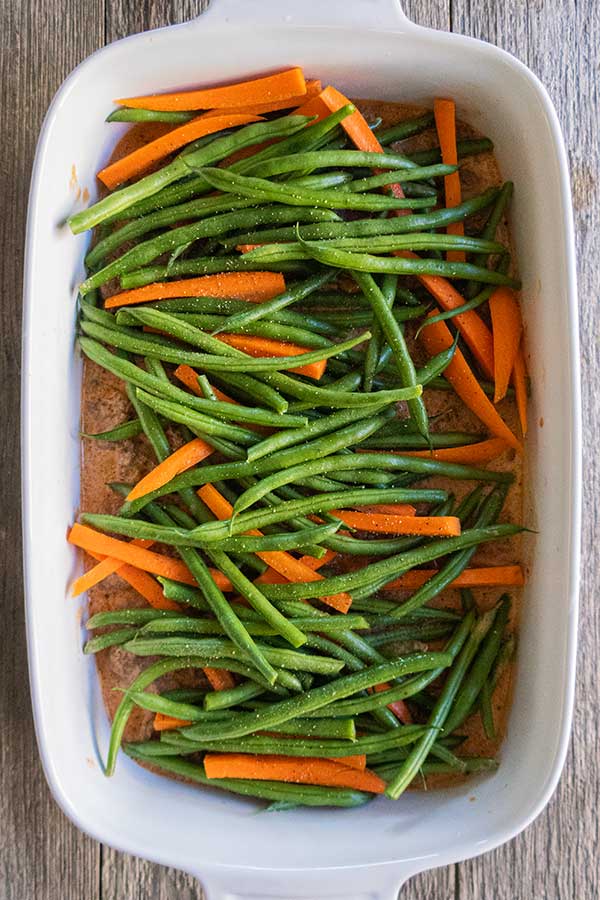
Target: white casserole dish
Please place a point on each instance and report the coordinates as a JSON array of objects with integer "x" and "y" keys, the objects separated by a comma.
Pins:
[{"x": 367, "y": 48}]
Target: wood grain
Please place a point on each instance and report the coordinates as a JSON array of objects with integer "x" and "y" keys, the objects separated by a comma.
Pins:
[{"x": 42, "y": 855}]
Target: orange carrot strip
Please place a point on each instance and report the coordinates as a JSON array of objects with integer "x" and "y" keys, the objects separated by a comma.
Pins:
[
  {"x": 94, "y": 542},
  {"x": 437, "y": 337},
  {"x": 289, "y": 83},
  {"x": 398, "y": 707},
  {"x": 409, "y": 524},
  {"x": 260, "y": 347},
  {"x": 390, "y": 509},
  {"x": 300, "y": 770},
  {"x": 107, "y": 566},
  {"x": 470, "y": 454},
  {"x": 507, "y": 327},
  {"x": 487, "y": 576},
  {"x": 135, "y": 163},
  {"x": 520, "y": 384},
  {"x": 291, "y": 568},
  {"x": 273, "y": 577},
  {"x": 253, "y": 286},
  {"x": 168, "y": 723},
  {"x": 313, "y": 87},
  {"x": 140, "y": 581},
  {"x": 184, "y": 458},
  {"x": 444, "y": 112},
  {"x": 219, "y": 679}
]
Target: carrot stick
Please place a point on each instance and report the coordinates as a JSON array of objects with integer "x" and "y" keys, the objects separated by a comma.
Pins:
[
  {"x": 219, "y": 679},
  {"x": 260, "y": 347},
  {"x": 284, "y": 563},
  {"x": 135, "y": 163},
  {"x": 168, "y": 723},
  {"x": 184, "y": 458},
  {"x": 437, "y": 337},
  {"x": 253, "y": 286},
  {"x": 313, "y": 87},
  {"x": 442, "y": 526},
  {"x": 471, "y": 454},
  {"x": 140, "y": 581},
  {"x": 282, "y": 85},
  {"x": 94, "y": 542},
  {"x": 273, "y": 577},
  {"x": 520, "y": 384},
  {"x": 107, "y": 566},
  {"x": 444, "y": 112},
  {"x": 506, "y": 329},
  {"x": 388, "y": 509},
  {"x": 300, "y": 770},
  {"x": 487, "y": 576},
  {"x": 398, "y": 707}
]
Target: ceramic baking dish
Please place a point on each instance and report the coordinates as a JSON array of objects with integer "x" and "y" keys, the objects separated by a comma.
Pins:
[{"x": 367, "y": 48}]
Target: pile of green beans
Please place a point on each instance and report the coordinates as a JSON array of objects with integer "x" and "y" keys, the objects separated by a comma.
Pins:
[{"x": 290, "y": 452}]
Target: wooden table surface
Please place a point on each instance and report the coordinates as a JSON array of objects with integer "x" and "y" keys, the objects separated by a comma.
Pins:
[{"x": 42, "y": 855}]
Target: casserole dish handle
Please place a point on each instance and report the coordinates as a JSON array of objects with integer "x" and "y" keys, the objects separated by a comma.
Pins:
[
  {"x": 342, "y": 13},
  {"x": 370, "y": 883}
]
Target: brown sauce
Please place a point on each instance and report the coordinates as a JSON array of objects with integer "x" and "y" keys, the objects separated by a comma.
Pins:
[{"x": 105, "y": 405}]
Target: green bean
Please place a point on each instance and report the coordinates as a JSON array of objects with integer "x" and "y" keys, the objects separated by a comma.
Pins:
[
  {"x": 464, "y": 148},
  {"x": 185, "y": 695},
  {"x": 129, "y": 617},
  {"x": 381, "y": 572},
  {"x": 242, "y": 724},
  {"x": 441, "y": 710},
  {"x": 406, "y": 128},
  {"x": 325, "y": 749},
  {"x": 201, "y": 265},
  {"x": 411, "y": 241},
  {"x": 195, "y": 209},
  {"x": 149, "y": 250},
  {"x": 416, "y": 442},
  {"x": 289, "y": 296},
  {"x": 109, "y": 639},
  {"x": 395, "y": 338},
  {"x": 337, "y": 399},
  {"x": 135, "y": 375},
  {"x": 123, "y": 432},
  {"x": 157, "y": 703},
  {"x": 358, "y": 318},
  {"x": 218, "y": 149},
  {"x": 215, "y": 531},
  {"x": 488, "y": 514},
  {"x": 126, "y": 114},
  {"x": 366, "y": 262},
  {"x": 389, "y": 287},
  {"x": 355, "y": 159},
  {"x": 321, "y": 181},
  {"x": 370, "y": 227},
  {"x": 480, "y": 669},
  {"x": 407, "y": 176},
  {"x": 294, "y": 794},
  {"x": 261, "y": 189},
  {"x": 217, "y": 648},
  {"x": 232, "y": 696}
]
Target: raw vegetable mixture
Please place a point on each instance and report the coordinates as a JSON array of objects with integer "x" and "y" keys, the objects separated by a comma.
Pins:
[{"x": 311, "y": 330}]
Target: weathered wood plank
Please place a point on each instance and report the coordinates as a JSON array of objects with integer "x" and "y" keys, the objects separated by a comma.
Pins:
[
  {"x": 41, "y": 854},
  {"x": 557, "y": 857}
]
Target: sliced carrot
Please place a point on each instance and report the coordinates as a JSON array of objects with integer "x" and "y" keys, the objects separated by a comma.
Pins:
[
  {"x": 507, "y": 328},
  {"x": 284, "y": 563},
  {"x": 261, "y": 347},
  {"x": 520, "y": 384},
  {"x": 107, "y": 566},
  {"x": 95, "y": 542},
  {"x": 146, "y": 586},
  {"x": 470, "y": 454},
  {"x": 184, "y": 458},
  {"x": 135, "y": 163},
  {"x": 289, "y": 83},
  {"x": 168, "y": 723},
  {"x": 313, "y": 87},
  {"x": 219, "y": 679},
  {"x": 444, "y": 112},
  {"x": 273, "y": 577},
  {"x": 410, "y": 524},
  {"x": 246, "y": 248},
  {"x": 398, "y": 707},
  {"x": 437, "y": 337},
  {"x": 300, "y": 770},
  {"x": 390, "y": 509},
  {"x": 487, "y": 576},
  {"x": 253, "y": 286}
]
